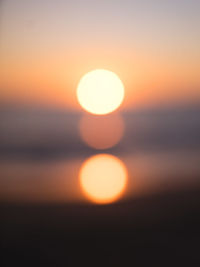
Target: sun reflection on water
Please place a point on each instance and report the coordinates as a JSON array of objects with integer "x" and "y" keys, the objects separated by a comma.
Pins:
[
  {"x": 103, "y": 178},
  {"x": 101, "y": 132}
]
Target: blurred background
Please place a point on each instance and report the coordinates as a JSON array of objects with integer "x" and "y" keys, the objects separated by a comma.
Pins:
[{"x": 49, "y": 217}]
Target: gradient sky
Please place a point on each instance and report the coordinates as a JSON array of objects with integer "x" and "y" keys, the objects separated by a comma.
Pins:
[{"x": 46, "y": 46}]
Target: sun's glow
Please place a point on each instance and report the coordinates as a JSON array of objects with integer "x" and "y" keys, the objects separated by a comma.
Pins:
[
  {"x": 100, "y": 91},
  {"x": 103, "y": 178}
]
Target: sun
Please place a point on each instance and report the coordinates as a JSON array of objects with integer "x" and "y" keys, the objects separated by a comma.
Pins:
[{"x": 100, "y": 91}]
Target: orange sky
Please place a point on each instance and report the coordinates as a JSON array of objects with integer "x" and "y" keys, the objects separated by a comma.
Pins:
[{"x": 45, "y": 50}]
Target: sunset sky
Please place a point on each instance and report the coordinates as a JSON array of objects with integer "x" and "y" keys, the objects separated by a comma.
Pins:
[{"x": 47, "y": 46}]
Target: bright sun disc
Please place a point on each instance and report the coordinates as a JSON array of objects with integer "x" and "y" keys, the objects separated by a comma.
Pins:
[{"x": 100, "y": 91}]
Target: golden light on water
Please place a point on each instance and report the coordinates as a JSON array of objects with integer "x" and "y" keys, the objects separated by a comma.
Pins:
[
  {"x": 100, "y": 91},
  {"x": 101, "y": 132},
  {"x": 103, "y": 178}
]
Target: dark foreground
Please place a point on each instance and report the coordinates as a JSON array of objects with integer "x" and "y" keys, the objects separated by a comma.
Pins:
[{"x": 162, "y": 230}]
